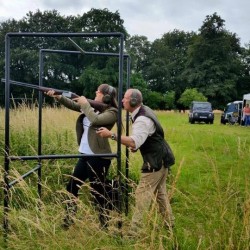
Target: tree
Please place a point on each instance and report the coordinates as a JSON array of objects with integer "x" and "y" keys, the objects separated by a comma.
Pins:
[
  {"x": 154, "y": 100},
  {"x": 97, "y": 20},
  {"x": 243, "y": 82},
  {"x": 169, "y": 99},
  {"x": 166, "y": 62},
  {"x": 190, "y": 95},
  {"x": 89, "y": 81},
  {"x": 63, "y": 70},
  {"x": 138, "y": 47},
  {"x": 138, "y": 82},
  {"x": 24, "y": 65},
  {"x": 213, "y": 61}
]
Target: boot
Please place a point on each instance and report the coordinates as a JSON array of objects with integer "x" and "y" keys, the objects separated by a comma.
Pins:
[{"x": 103, "y": 220}]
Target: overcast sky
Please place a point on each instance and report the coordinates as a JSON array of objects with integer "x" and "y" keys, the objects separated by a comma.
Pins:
[{"x": 150, "y": 18}]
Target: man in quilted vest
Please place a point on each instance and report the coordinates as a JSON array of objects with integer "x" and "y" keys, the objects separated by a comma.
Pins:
[{"x": 147, "y": 136}]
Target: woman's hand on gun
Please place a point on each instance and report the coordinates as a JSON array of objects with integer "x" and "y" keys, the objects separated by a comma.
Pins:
[
  {"x": 81, "y": 100},
  {"x": 51, "y": 93}
]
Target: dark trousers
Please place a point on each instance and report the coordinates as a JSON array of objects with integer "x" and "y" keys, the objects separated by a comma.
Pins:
[{"x": 95, "y": 170}]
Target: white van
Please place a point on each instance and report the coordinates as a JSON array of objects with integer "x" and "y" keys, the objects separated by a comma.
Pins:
[{"x": 231, "y": 111}]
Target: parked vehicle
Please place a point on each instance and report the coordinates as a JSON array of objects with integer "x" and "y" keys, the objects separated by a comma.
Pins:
[
  {"x": 201, "y": 112},
  {"x": 232, "y": 113}
]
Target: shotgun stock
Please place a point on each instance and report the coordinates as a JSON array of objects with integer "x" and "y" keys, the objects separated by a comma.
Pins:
[{"x": 100, "y": 106}]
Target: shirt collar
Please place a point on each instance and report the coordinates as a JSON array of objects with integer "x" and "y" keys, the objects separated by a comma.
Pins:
[{"x": 134, "y": 113}]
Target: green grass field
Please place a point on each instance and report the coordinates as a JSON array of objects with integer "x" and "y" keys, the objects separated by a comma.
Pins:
[{"x": 209, "y": 187}]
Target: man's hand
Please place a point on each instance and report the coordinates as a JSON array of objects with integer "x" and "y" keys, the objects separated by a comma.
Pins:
[
  {"x": 132, "y": 150},
  {"x": 125, "y": 140}
]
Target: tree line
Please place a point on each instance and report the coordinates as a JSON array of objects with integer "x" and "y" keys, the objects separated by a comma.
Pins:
[{"x": 207, "y": 65}]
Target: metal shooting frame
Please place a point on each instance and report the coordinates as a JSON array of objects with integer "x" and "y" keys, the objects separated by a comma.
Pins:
[{"x": 39, "y": 157}]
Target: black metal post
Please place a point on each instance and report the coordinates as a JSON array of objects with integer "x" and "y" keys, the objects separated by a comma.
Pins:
[
  {"x": 40, "y": 96},
  {"x": 7, "y": 137},
  {"x": 127, "y": 134}
]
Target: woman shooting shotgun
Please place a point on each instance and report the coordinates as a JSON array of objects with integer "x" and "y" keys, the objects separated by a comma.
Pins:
[{"x": 93, "y": 168}]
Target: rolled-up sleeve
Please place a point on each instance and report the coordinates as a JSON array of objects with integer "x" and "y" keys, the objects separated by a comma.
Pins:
[{"x": 141, "y": 129}]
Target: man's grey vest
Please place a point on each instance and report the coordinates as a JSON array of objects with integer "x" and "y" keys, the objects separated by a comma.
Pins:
[{"x": 155, "y": 150}]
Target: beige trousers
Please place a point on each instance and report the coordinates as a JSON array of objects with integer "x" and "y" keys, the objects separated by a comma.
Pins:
[{"x": 152, "y": 187}]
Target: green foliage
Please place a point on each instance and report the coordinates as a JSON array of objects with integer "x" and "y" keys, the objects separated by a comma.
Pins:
[
  {"x": 154, "y": 100},
  {"x": 62, "y": 70},
  {"x": 213, "y": 65},
  {"x": 89, "y": 81},
  {"x": 190, "y": 95},
  {"x": 137, "y": 81},
  {"x": 100, "y": 20},
  {"x": 211, "y": 60},
  {"x": 166, "y": 62},
  {"x": 243, "y": 83},
  {"x": 138, "y": 48},
  {"x": 169, "y": 99}
]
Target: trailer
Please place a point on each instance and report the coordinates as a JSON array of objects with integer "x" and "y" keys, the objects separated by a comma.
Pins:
[{"x": 246, "y": 99}]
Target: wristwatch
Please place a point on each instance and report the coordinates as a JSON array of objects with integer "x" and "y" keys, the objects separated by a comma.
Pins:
[{"x": 113, "y": 136}]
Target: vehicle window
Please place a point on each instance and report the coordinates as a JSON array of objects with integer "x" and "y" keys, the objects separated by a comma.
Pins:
[
  {"x": 202, "y": 106},
  {"x": 231, "y": 108}
]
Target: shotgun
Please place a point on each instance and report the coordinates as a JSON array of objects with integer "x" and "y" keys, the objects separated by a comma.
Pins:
[{"x": 100, "y": 106}]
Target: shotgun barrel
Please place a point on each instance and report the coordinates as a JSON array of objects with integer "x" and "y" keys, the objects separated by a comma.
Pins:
[{"x": 100, "y": 106}]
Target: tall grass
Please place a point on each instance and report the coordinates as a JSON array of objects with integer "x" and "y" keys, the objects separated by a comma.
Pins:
[{"x": 208, "y": 187}]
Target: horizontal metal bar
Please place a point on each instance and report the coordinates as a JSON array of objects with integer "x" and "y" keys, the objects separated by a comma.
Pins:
[
  {"x": 42, "y": 157},
  {"x": 86, "y": 53},
  {"x": 12, "y": 183},
  {"x": 45, "y": 34}
]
